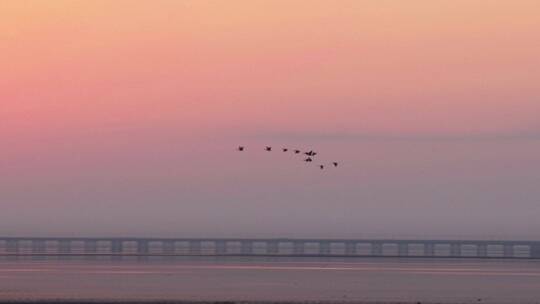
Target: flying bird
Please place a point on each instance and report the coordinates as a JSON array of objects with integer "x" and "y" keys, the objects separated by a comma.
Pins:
[{"x": 310, "y": 153}]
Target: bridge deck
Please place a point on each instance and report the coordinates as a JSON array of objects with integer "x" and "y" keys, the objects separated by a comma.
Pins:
[{"x": 269, "y": 247}]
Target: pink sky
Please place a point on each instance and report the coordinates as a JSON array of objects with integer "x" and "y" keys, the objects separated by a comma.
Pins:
[{"x": 432, "y": 104}]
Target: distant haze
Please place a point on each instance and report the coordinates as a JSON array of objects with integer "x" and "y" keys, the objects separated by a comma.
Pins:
[{"x": 121, "y": 118}]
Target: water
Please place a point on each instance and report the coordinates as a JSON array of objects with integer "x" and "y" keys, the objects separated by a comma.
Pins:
[{"x": 273, "y": 279}]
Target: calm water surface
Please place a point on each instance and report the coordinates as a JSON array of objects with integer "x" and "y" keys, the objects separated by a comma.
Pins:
[{"x": 274, "y": 279}]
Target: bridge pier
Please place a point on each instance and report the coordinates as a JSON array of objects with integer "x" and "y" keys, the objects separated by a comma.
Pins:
[
  {"x": 429, "y": 249},
  {"x": 377, "y": 249},
  {"x": 403, "y": 249},
  {"x": 535, "y": 251},
  {"x": 143, "y": 247},
  {"x": 298, "y": 248},
  {"x": 246, "y": 247},
  {"x": 324, "y": 248},
  {"x": 39, "y": 246},
  {"x": 221, "y": 247},
  {"x": 64, "y": 247},
  {"x": 90, "y": 246},
  {"x": 117, "y": 246},
  {"x": 350, "y": 248},
  {"x": 481, "y": 250},
  {"x": 508, "y": 251},
  {"x": 167, "y": 247},
  {"x": 272, "y": 247},
  {"x": 455, "y": 249},
  {"x": 12, "y": 246},
  {"x": 195, "y": 247}
]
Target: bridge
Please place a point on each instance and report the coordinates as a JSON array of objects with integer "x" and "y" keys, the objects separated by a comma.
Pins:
[{"x": 43, "y": 246}]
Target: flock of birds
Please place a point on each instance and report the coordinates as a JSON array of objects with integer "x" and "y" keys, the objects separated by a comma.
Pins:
[{"x": 310, "y": 155}]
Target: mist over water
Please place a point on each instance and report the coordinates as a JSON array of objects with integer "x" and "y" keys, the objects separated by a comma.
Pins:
[{"x": 185, "y": 187}]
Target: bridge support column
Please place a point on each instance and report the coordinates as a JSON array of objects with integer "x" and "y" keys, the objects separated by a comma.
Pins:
[
  {"x": 350, "y": 248},
  {"x": 298, "y": 248},
  {"x": 272, "y": 247},
  {"x": 246, "y": 247},
  {"x": 455, "y": 249},
  {"x": 508, "y": 251},
  {"x": 64, "y": 247},
  {"x": 12, "y": 246},
  {"x": 117, "y": 246},
  {"x": 39, "y": 246},
  {"x": 195, "y": 247},
  {"x": 376, "y": 249},
  {"x": 324, "y": 248},
  {"x": 221, "y": 247},
  {"x": 167, "y": 247},
  {"x": 481, "y": 250},
  {"x": 403, "y": 249},
  {"x": 90, "y": 247},
  {"x": 429, "y": 249},
  {"x": 142, "y": 247},
  {"x": 535, "y": 251}
]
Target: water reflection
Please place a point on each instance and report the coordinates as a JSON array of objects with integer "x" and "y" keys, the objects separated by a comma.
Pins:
[{"x": 269, "y": 279}]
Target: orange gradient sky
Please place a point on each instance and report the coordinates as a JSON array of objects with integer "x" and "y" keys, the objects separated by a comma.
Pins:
[{"x": 101, "y": 98}]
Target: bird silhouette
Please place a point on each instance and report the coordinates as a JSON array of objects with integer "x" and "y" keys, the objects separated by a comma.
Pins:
[{"x": 310, "y": 155}]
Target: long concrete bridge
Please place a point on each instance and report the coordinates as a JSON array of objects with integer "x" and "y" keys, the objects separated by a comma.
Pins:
[{"x": 36, "y": 246}]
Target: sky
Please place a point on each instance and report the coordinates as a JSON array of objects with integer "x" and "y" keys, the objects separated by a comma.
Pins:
[{"x": 121, "y": 118}]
